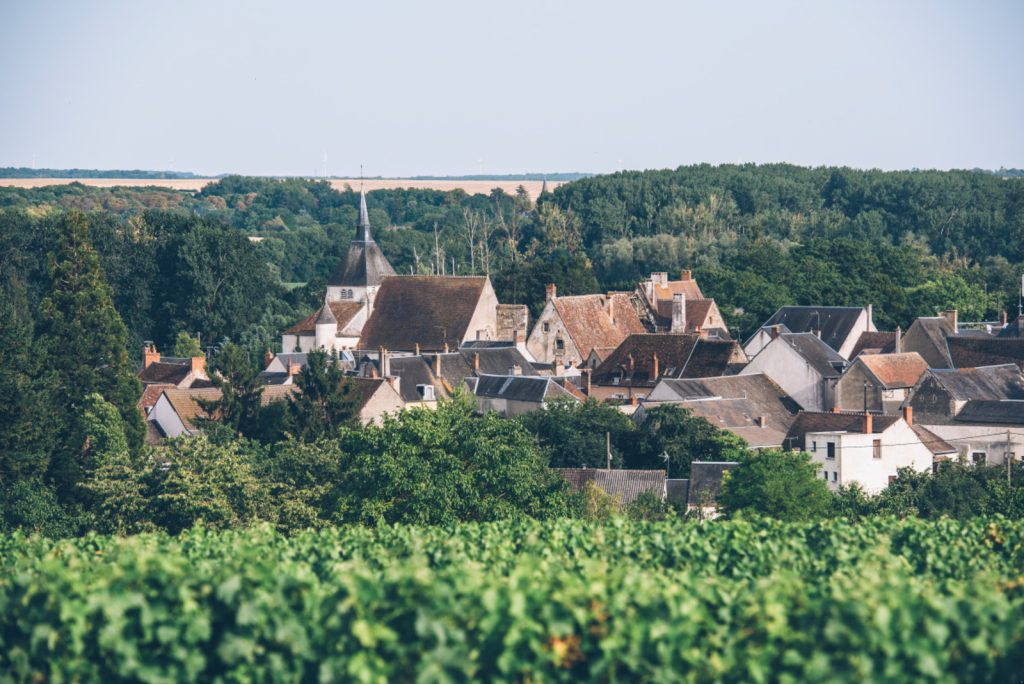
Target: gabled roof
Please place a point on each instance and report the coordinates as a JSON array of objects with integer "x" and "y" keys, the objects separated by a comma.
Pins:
[
  {"x": 680, "y": 355},
  {"x": 520, "y": 388},
  {"x": 986, "y": 382},
  {"x": 364, "y": 263},
  {"x": 696, "y": 313},
  {"x": 425, "y": 310},
  {"x": 713, "y": 358},
  {"x": 935, "y": 329},
  {"x": 871, "y": 342},
  {"x": 935, "y": 444},
  {"x": 413, "y": 371},
  {"x": 992, "y": 411},
  {"x": 150, "y": 394},
  {"x": 820, "y": 356},
  {"x": 498, "y": 360},
  {"x": 706, "y": 481},
  {"x": 836, "y": 323},
  {"x": 165, "y": 372},
  {"x": 624, "y": 485},
  {"x": 343, "y": 313},
  {"x": 586, "y": 319},
  {"x": 970, "y": 351},
  {"x": 185, "y": 403},
  {"x": 895, "y": 371},
  {"x": 814, "y": 421}
]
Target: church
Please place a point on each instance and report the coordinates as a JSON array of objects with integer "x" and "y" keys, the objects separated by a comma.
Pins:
[{"x": 369, "y": 307}]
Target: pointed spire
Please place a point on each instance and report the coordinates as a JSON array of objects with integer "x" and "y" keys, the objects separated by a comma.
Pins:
[
  {"x": 363, "y": 230},
  {"x": 326, "y": 315},
  {"x": 544, "y": 185}
]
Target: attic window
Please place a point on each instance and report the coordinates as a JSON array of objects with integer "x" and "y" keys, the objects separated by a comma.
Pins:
[
  {"x": 546, "y": 326},
  {"x": 560, "y": 344}
]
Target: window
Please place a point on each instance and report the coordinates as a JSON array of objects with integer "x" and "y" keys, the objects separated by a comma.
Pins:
[
  {"x": 876, "y": 448},
  {"x": 835, "y": 475},
  {"x": 814, "y": 446},
  {"x": 825, "y": 473},
  {"x": 546, "y": 326},
  {"x": 831, "y": 452},
  {"x": 978, "y": 457},
  {"x": 892, "y": 478},
  {"x": 560, "y": 345}
]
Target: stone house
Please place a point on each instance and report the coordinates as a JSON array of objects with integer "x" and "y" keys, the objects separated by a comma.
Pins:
[{"x": 879, "y": 382}]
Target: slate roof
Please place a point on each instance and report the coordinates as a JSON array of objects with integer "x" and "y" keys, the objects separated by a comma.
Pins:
[
  {"x": 970, "y": 351},
  {"x": 992, "y": 411},
  {"x": 424, "y": 310},
  {"x": 165, "y": 373},
  {"x": 1013, "y": 328},
  {"x": 519, "y": 388},
  {"x": 895, "y": 371},
  {"x": 343, "y": 313},
  {"x": 680, "y": 355},
  {"x": 814, "y": 421},
  {"x": 816, "y": 352},
  {"x": 871, "y": 342},
  {"x": 413, "y": 371},
  {"x": 835, "y": 322},
  {"x": 986, "y": 382},
  {"x": 935, "y": 444},
  {"x": 936, "y": 329},
  {"x": 498, "y": 360},
  {"x": 624, "y": 485},
  {"x": 736, "y": 403},
  {"x": 364, "y": 263},
  {"x": 487, "y": 344},
  {"x": 706, "y": 481},
  {"x": 588, "y": 324}
]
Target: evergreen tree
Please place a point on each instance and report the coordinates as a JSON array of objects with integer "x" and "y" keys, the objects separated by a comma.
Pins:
[
  {"x": 326, "y": 401},
  {"x": 83, "y": 343},
  {"x": 241, "y": 391}
]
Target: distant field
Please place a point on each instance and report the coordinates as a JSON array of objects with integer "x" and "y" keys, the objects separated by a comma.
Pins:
[{"x": 470, "y": 186}]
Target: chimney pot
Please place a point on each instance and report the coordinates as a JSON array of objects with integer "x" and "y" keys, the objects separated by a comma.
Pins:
[
  {"x": 149, "y": 354},
  {"x": 775, "y": 331},
  {"x": 686, "y": 275},
  {"x": 551, "y": 291}
]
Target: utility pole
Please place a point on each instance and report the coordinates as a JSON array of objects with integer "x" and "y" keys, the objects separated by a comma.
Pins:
[{"x": 1008, "y": 458}]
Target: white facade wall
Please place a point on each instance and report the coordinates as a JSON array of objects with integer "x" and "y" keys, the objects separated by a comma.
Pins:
[
  {"x": 542, "y": 342},
  {"x": 484, "y": 323},
  {"x": 855, "y": 453},
  {"x": 164, "y": 415},
  {"x": 792, "y": 373},
  {"x": 985, "y": 444}
]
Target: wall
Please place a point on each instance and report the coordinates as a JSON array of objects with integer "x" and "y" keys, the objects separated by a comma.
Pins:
[
  {"x": 542, "y": 344},
  {"x": 855, "y": 461},
  {"x": 931, "y": 403},
  {"x": 990, "y": 439},
  {"x": 384, "y": 401},
  {"x": 164, "y": 415},
  {"x": 793, "y": 374},
  {"x": 850, "y": 390},
  {"x": 484, "y": 323}
]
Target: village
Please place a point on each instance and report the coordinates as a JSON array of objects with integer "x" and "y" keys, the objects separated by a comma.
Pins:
[{"x": 862, "y": 403}]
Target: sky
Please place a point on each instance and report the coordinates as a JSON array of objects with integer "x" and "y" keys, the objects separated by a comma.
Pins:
[{"x": 451, "y": 88}]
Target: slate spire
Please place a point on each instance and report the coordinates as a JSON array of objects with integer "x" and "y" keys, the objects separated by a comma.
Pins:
[{"x": 363, "y": 229}]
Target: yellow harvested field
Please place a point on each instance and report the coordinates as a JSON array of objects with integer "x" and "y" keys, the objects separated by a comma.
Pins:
[{"x": 470, "y": 186}]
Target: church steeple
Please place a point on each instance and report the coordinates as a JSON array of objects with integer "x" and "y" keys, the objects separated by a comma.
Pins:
[{"x": 363, "y": 229}]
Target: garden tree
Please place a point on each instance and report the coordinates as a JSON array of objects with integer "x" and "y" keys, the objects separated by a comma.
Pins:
[
  {"x": 852, "y": 502},
  {"x": 32, "y": 506},
  {"x": 650, "y": 506},
  {"x": 326, "y": 401},
  {"x": 119, "y": 492},
  {"x": 305, "y": 481},
  {"x": 954, "y": 490},
  {"x": 186, "y": 346},
  {"x": 778, "y": 484},
  {"x": 446, "y": 466},
  {"x": 81, "y": 340},
  {"x": 238, "y": 407},
  {"x": 573, "y": 434},
  {"x": 103, "y": 430},
  {"x": 671, "y": 438}
]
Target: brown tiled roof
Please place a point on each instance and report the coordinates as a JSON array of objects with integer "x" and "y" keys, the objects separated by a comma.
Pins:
[
  {"x": 673, "y": 351},
  {"x": 163, "y": 372},
  {"x": 895, "y": 371},
  {"x": 186, "y": 401},
  {"x": 696, "y": 313},
  {"x": 588, "y": 324},
  {"x": 935, "y": 444},
  {"x": 625, "y": 485},
  {"x": 813, "y": 421},
  {"x": 713, "y": 358},
  {"x": 344, "y": 312},
  {"x": 688, "y": 288},
  {"x": 150, "y": 393},
  {"x": 424, "y": 310},
  {"x": 871, "y": 342},
  {"x": 971, "y": 352}
]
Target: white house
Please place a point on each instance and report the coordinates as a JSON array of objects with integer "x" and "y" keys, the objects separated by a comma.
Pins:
[{"x": 802, "y": 365}]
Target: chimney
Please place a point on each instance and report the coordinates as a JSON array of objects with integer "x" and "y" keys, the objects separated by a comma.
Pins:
[
  {"x": 871, "y": 317},
  {"x": 762, "y": 421},
  {"x": 293, "y": 368},
  {"x": 951, "y": 317},
  {"x": 686, "y": 275},
  {"x": 660, "y": 278},
  {"x": 519, "y": 336},
  {"x": 908, "y": 415},
  {"x": 385, "y": 361},
  {"x": 445, "y": 347},
  {"x": 373, "y": 371},
  {"x": 476, "y": 363},
  {"x": 654, "y": 362},
  {"x": 516, "y": 369},
  {"x": 868, "y": 425},
  {"x": 678, "y": 313},
  {"x": 437, "y": 365},
  {"x": 775, "y": 331},
  {"x": 632, "y": 400},
  {"x": 608, "y": 307},
  {"x": 899, "y": 340},
  {"x": 836, "y": 409},
  {"x": 585, "y": 380},
  {"x": 417, "y": 349},
  {"x": 149, "y": 354},
  {"x": 551, "y": 291},
  {"x": 198, "y": 365},
  {"x": 268, "y": 358}
]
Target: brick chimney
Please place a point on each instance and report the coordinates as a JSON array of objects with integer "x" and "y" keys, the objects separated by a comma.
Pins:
[
  {"x": 951, "y": 317},
  {"x": 293, "y": 368},
  {"x": 585, "y": 380},
  {"x": 558, "y": 367},
  {"x": 776, "y": 329},
  {"x": 149, "y": 354},
  {"x": 686, "y": 275},
  {"x": 516, "y": 369},
  {"x": 550, "y": 291},
  {"x": 908, "y": 415},
  {"x": 678, "y": 313},
  {"x": 836, "y": 409},
  {"x": 198, "y": 365},
  {"x": 654, "y": 363},
  {"x": 868, "y": 424}
]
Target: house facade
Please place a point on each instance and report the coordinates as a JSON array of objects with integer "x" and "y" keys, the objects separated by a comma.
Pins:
[
  {"x": 569, "y": 328},
  {"x": 802, "y": 365},
  {"x": 879, "y": 383}
]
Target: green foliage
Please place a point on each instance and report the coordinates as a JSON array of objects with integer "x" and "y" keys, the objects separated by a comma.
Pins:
[
  {"x": 573, "y": 434},
  {"x": 327, "y": 400},
  {"x": 238, "y": 407},
  {"x": 779, "y": 484},
  {"x": 522, "y": 601},
  {"x": 186, "y": 346},
  {"x": 671, "y": 438}
]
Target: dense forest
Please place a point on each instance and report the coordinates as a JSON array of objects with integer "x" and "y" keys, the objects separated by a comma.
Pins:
[{"x": 757, "y": 237}]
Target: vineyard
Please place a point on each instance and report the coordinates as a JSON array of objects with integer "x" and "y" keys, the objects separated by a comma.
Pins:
[{"x": 884, "y": 600}]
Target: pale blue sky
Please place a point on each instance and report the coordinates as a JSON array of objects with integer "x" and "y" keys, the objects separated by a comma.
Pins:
[{"x": 459, "y": 87}]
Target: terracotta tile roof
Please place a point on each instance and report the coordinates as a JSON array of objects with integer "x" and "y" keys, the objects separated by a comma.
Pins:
[
  {"x": 696, "y": 312},
  {"x": 895, "y": 371},
  {"x": 424, "y": 310},
  {"x": 813, "y": 421},
  {"x": 163, "y": 372},
  {"x": 186, "y": 401},
  {"x": 688, "y": 288},
  {"x": 587, "y": 321},
  {"x": 624, "y": 485},
  {"x": 970, "y": 352},
  {"x": 150, "y": 393},
  {"x": 871, "y": 342},
  {"x": 633, "y": 360},
  {"x": 344, "y": 312}
]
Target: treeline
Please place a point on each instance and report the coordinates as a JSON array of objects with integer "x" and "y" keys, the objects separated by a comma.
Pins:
[{"x": 26, "y": 172}]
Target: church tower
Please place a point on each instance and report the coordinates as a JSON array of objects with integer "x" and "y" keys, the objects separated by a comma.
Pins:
[{"x": 357, "y": 278}]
